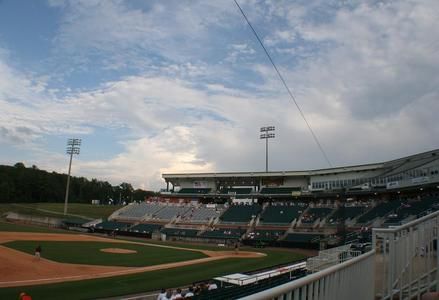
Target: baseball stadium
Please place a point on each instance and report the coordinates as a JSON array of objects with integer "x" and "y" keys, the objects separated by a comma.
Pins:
[
  {"x": 168, "y": 200},
  {"x": 256, "y": 235}
]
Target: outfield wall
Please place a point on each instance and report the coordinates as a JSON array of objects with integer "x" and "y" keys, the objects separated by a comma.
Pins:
[{"x": 36, "y": 220}]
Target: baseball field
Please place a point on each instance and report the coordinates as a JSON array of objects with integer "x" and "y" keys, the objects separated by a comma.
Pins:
[{"x": 78, "y": 266}]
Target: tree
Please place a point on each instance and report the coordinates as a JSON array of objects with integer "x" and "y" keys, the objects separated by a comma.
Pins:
[{"x": 20, "y": 165}]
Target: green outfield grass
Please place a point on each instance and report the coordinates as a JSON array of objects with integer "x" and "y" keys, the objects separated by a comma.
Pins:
[
  {"x": 89, "y": 253},
  {"x": 12, "y": 227},
  {"x": 150, "y": 281},
  {"x": 56, "y": 210}
]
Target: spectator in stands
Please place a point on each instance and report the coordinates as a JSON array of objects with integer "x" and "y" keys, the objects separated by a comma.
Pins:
[
  {"x": 189, "y": 293},
  {"x": 430, "y": 296},
  {"x": 161, "y": 295},
  {"x": 212, "y": 286},
  {"x": 177, "y": 295},
  {"x": 24, "y": 296},
  {"x": 168, "y": 295}
]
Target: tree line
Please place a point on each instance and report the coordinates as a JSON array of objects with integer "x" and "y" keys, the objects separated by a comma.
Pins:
[{"x": 20, "y": 184}]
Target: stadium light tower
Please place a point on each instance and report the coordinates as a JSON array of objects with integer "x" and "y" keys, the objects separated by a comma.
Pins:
[
  {"x": 73, "y": 147},
  {"x": 267, "y": 133}
]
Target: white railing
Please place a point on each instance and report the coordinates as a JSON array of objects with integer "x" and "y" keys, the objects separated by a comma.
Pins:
[
  {"x": 353, "y": 279},
  {"x": 330, "y": 257},
  {"x": 407, "y": 261}
]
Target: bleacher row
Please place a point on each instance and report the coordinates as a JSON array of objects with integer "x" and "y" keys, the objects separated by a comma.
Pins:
[
  {"x": 282, "y": 214},
  {"x": 145, "y": 230},
  {"x": 165, "y": 212},
  {"x": 278, "y": 221}
]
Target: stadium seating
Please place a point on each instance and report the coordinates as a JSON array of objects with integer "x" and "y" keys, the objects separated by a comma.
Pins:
[
  {"x": 240, "y": 213},
  {"x": 138, "y": 211},
  {"x": 378, "y": 211},
  {"x": 281, "y": 214},
  {"x": 237, "y": 291},
  {"x": 279, "y": 190},
  {"x": 412, "y": 208},
  {"x": 315, "y": 213},
  {"x": 350, "y": 212},
  {"x": 194, "y": 191},
  {"x": 223, "y": 233},
  {"x": 170, "y": 211},
  {"x": 201, "y": 214},
  {"x": 182, "y": 232}
]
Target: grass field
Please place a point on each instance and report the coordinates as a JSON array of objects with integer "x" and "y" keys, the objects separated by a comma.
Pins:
[
  {"x": 12, "y": 227},
  {"x": 56, "y": 209},
  {"x": 89, "y": 253},
  {"x": 150, "y": 281}
]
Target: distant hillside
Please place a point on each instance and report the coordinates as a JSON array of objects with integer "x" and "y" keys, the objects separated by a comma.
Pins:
[{"x": 19, "y": 184}]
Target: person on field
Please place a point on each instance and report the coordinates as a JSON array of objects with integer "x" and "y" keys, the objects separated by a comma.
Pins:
[
  {"x": 236, "y": 247},
  {"x": 38, "y": 250},
  {"x": 24, "y": 296}
]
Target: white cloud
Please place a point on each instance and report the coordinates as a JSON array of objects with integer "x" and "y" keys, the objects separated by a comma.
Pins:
[{"x": 366, "y": 79}]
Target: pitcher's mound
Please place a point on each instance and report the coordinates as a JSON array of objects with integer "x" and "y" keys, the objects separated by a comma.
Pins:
[{"x": 118, "y": 250}]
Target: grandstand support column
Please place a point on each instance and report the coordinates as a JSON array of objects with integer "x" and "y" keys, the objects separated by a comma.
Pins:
[{"x": 167, "y": 185}]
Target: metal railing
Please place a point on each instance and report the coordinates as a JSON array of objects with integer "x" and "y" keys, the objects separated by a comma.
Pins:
[
  {"x": 352, "y": 279},
  {"x": 407, "y": 261},
  {"x": 403, "y": 264},
  {"x": 330, "y": 257}
]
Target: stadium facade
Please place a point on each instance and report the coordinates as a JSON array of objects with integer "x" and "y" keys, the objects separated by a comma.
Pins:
[{"x": 419, "y": 170}]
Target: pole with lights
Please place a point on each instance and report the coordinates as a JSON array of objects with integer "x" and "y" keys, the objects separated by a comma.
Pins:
[
  {"x": 73, "y": 147},
  {"x": 267, "y": 133}
]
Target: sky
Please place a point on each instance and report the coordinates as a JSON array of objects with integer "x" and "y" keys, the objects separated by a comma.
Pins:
[{"x": 155, "y": 87}]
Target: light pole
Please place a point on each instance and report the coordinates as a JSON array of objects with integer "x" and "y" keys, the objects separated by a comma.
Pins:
[
  {"x": 72, "y": 148},
  {"x": 267, "y": 133}
]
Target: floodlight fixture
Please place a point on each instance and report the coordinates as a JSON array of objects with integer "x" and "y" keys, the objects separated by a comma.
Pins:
[{"x": 267, "y": 133}]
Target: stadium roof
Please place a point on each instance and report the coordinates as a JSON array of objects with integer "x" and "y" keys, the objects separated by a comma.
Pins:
[{"x": 389, "y": 166}]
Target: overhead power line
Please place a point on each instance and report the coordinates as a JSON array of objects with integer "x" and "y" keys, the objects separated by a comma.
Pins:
[{"x": 285, "y": 85}]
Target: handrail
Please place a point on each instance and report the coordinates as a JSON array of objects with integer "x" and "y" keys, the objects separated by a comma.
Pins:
[{"x": 288, "y": 287}]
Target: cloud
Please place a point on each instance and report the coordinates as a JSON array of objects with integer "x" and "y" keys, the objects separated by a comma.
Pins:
[{"x": 365, "y": 74}]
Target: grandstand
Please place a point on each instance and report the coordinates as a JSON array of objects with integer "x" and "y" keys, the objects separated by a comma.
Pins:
[
  {"x": 136, "y": 211},
  {"x": 202, "y": 214},
  {"x": 408, "y": 172},
  {"x": 240, "y": 213},
  {"x": 281, "y": 214},
  {"x": 314, "y": 214},
  {"x": 379, "y": 211}
]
